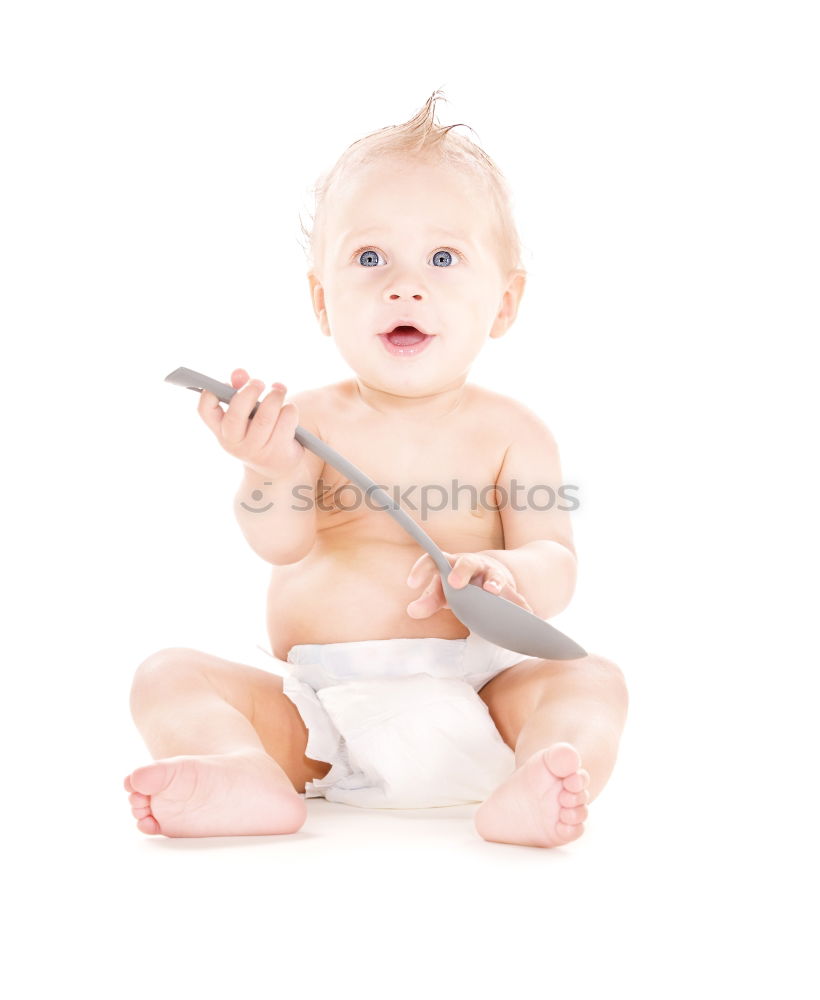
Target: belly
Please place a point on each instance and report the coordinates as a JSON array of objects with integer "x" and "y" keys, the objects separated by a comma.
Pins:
[{"x": 346, "y": 593}]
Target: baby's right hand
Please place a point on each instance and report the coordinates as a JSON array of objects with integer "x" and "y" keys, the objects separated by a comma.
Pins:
[{"x": 264, "y": 443}]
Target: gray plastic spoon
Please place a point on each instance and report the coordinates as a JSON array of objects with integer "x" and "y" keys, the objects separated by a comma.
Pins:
[{"x": 494, "y": 617}]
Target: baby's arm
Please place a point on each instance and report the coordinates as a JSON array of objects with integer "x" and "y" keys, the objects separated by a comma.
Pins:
[
  {"x": 264, "y": 509},
  {"x": 538, "y": 547},
  {"x": 275, "y": 503},
  {"x": 538, "y": 551}
]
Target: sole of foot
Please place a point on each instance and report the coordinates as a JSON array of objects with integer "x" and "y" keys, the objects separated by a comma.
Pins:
[
  {"x": 215, "y": 795},
  {"x": 542, "y": 803}
]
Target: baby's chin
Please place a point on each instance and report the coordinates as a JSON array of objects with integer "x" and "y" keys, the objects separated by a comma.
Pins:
[
  {"x": 407, "y": 386},
  {"x": 403, "y": 379},
  {"x": 418, "y": 396},
  {"x": 415, "y": 379}
]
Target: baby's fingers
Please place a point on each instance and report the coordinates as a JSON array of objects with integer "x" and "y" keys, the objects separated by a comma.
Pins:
[
  {"x": 431, "y": 601},
  {"x": 423, "y": 566},
  {"x": 266, "y": 418},
  {"x": 415, "y": 573},
  {"x": 511, "y": 594},
  {"x": 208, "y": 406},
  {"x": 234, "y": 425},
  {"x": 209, "y": 409}
]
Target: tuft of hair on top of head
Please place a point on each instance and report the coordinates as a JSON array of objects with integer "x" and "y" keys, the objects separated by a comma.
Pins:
[{"x": 423, "y": 139}]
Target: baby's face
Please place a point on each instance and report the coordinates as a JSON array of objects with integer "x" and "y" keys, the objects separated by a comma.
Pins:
[{"x": 414, "y": 244}]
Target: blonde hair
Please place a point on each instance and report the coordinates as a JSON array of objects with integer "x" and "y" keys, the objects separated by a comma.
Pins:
[{"x": 423, "y": 139}]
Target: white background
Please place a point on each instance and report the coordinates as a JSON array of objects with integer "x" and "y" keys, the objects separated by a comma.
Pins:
[{"x": 664, "y": 161}]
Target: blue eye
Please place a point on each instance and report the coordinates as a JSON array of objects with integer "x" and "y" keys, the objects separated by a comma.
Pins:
[
  {"x": 442, "y": 258},
  {"x": 369, "y": 258}
]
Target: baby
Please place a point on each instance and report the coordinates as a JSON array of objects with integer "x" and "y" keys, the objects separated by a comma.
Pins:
[{"x": 387, "y": 701}]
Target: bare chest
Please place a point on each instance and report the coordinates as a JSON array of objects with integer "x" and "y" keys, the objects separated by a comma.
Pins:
[{"x": 442, "y": 473}]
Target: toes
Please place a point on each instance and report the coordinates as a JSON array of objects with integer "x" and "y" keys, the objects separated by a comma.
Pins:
[
  {"x": 562, "y": 759},
  {"x": 140, "y": 812},
  {"x": 127, "y": 784},
  {"x": 148, "y": 825},
  {"x": 572, "y": 799},
  {"x": 568, "y": 833},
  {"x": 571, "y": 817},
  {"x": 577, "y": 782},
  {"x": 138, "y": 799},
  {"x": 150, "y": 779}
]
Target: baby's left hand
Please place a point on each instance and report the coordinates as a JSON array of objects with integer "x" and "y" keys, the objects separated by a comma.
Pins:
[{"x": 494, "y": 576}]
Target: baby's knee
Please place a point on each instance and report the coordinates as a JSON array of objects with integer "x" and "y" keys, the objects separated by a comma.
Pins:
[
  {"x": 160, "y": 666},
  {"x": 611, "y": 674}
]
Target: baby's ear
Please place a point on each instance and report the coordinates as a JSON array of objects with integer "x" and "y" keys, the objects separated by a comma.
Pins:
[
  {"x": 509, "y": 303},
  {"x": 317, "y": 298}
]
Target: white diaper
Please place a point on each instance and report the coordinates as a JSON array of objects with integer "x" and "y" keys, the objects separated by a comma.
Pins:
[{"x": 400, "y": 720}]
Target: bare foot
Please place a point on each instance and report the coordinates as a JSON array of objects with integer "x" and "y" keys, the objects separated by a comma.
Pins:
[
  {"x": 215, "y": 795},
  {"x": 541, "y": 804}
]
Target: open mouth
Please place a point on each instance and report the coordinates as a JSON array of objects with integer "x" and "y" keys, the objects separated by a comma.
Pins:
[
  {"x": 405, "y": 340},
  {"x": 405, "y": 336}
]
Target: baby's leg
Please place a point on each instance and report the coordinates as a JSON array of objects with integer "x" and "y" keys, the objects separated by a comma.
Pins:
[
  {"x": 563, "y": 719},
  {"x": 229, "y": 749}
]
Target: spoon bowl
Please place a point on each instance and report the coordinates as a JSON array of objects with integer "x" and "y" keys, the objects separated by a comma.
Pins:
[{"x": 507, "y": 624}]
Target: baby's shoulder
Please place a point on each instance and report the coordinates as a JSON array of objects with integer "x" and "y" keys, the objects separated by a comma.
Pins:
[
  {"x": 320, "y": 401},
  {"x": 512, "y": 412},
  {"x": 327, "y": 411}
]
